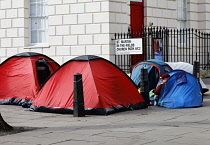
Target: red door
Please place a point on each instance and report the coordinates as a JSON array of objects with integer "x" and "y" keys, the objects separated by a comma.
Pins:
[{"x": 137, "y": 24}]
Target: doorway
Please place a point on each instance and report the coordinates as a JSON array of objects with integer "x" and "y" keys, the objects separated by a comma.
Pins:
[{"x": 136, "y": 24}]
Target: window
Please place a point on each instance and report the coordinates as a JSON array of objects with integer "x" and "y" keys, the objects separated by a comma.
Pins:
[
  {"x": 38, "y": 22},
  {"x": 182, "y": 21},
  {"x": 181, "y": 14}
]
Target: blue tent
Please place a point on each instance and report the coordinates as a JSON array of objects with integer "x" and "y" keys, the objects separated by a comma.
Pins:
[
  {"x": 155, "y": 67},
  {"x": 181, "y": 90}
]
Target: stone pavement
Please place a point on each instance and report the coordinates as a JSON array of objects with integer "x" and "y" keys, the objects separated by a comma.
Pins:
[{"x": 151, "y": 126}]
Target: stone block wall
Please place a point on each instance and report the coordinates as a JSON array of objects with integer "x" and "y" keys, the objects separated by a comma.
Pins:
[
  {"x": 164, "y": 13},
  {"x": 13, "y": 26},
  {"x": 76, "y": 27}
]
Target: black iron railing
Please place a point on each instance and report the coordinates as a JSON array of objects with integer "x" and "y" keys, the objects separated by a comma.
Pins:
[{"x": 186, "y": 45}]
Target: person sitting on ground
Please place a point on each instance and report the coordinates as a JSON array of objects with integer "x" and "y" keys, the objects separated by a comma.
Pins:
[
  {"x": 42, "y": 70},
  {"x": 163, "y": 78},
  {"x": 155, "y": 92}
]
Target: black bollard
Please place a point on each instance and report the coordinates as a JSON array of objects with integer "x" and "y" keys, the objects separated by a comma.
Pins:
[
  {"x": 78, "y": 108},
  {"x": 144, "y": 85},
  {"x": 196, "y": 69}
]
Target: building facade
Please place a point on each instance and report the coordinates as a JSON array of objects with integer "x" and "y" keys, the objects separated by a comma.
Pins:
[
  {"x": 61, "y": 29},
  {"x": 178, "y": 13},
  {"x": 64, "y": 29}
]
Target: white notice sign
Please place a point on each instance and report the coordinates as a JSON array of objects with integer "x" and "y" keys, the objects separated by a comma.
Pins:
[{"x": 128, "y": 46}]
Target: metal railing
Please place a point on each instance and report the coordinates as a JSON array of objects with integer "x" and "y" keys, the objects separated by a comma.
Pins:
[{"x": 186, "y": 45}]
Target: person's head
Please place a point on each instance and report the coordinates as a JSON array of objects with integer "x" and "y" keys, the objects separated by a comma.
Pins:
[
  {"x": 41, "y": 64},
  {"x": 42, "y": 70},
  {"x": 165, "y": 77}
]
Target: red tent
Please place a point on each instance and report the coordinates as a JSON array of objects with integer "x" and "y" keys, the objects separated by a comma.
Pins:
[
  {"x": 106, "y": 88},
  {"x": 20, "y": 78}
]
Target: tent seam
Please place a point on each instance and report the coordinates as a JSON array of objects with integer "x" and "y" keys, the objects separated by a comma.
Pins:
[{"x": 94, "y": 82}]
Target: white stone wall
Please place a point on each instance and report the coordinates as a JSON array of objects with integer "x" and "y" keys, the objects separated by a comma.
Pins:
[
  {"x": 76, "y": 27},
  {"x": 199, "y": 14},
  {"x": 13, "y": 27},
  {"x": 85, "y": 27},
  {"x": 163, "y": 13}
]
